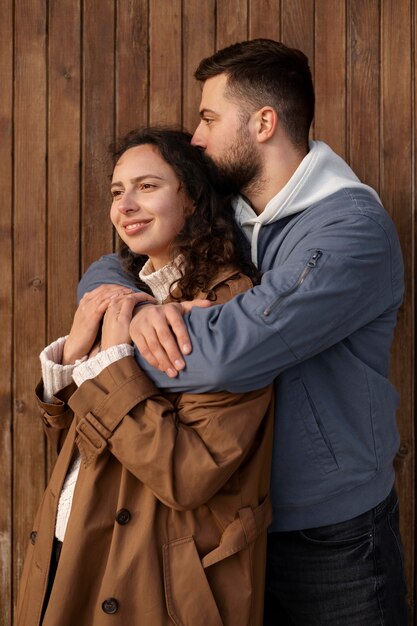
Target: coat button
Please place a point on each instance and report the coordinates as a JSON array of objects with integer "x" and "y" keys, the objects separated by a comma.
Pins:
[
  {"x": 110, "y": 606},
  {"x": 123, "y": 517},
  {"x": 33, "y": 536}
]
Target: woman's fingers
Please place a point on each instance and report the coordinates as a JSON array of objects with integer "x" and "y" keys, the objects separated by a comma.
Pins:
[
  {"x": 87, "y": 320},
  {"x": 117, "y": 318}
]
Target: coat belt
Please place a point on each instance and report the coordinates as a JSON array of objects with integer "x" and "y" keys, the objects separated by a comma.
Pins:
[{"x": 243, "y": 531}]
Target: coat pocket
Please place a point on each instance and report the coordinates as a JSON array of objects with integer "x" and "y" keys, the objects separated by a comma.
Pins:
[
  {"x": 190, "y": 601},
  {"x": 189, "y": 596}
]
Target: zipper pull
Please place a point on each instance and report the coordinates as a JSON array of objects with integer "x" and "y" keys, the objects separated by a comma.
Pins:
[
  {"x": 312, "y": 262},
  {"x": 314, "y": 258}
]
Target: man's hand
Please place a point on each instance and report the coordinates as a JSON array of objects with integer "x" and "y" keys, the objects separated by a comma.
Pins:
[{"x": 161, "y": 335}]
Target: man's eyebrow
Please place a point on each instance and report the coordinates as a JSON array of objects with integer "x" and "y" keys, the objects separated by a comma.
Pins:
[
  {"x": 204, "y": 112},
  {"x": 137, "y": 179}
]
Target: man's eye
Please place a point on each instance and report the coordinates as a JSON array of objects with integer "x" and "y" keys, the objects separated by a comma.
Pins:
[
  {"x": 207, "y": 121},
  {"x": 147, "y": 186},
  {"x": 116, "y": 193}
]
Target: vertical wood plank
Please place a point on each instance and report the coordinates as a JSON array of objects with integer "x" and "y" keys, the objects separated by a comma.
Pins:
[
  {"x": 396, "y": 187},
  {"x": 364, "y": 90},
  {"x": 232, "y": 22},
  {"x": 198, "y": 43},
  {"x": 6, "y": 308},
  {"x": 330, "y": 74},
  {"x": 64, "y": 114},
  {"x": 165, "y": 62},
  {"x": 297, "y": 26},
  {"x": 132, "y": 68},
  {"x": 265, "y": 19},
  {"x": 97, "y": 128},
  {"x": 29, "y": 265}
]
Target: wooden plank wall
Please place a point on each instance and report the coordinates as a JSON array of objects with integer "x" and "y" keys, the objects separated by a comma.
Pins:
[{"x": 76, "y": 73}]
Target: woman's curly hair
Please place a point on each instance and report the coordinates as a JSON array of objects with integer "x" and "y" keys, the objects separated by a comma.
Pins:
[{"x": 210, "y": 239}]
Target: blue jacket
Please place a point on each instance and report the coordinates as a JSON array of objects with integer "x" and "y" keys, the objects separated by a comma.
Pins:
[{"x": 321, "y": 324}]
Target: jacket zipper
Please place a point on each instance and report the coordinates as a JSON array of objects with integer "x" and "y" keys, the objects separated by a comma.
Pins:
[{"x": 312, "y": 262}]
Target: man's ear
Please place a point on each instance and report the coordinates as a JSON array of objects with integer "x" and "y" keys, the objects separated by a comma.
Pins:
[{"x": 266, "y": 123}]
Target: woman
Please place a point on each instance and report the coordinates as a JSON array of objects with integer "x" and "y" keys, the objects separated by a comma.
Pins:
[{"x": 158, "y": 505}]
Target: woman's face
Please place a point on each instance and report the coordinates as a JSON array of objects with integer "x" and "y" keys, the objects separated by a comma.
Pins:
[{"x": 149, "y": 205}]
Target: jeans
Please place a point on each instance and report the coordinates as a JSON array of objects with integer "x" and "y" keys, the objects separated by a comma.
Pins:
[{"x": 346, "y": 574}]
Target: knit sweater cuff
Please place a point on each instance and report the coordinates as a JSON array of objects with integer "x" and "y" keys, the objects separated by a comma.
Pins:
[
  {"x": 55, "y": 376},
  {"x": 92, "y": 367}
]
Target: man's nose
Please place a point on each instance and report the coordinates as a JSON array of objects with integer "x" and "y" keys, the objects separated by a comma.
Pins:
[{"x": 198, "y": 137}]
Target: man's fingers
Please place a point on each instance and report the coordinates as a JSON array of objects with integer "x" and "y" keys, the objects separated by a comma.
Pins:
[
  {"x": 152, "y": 351},
  {"x": 143, "y": 348},
  {"x": 155, "y": 330},
  {"x": 180, "y": 332},
  {"x": 189, "y": 304}
]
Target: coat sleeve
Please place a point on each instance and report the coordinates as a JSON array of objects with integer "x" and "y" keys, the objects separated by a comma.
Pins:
[
  {"x": 56, "y": 416},
  {"x": 183, "y": 451}
]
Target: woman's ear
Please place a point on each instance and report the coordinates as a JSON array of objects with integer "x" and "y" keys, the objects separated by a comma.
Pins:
[
  {"x": 266, "y": 120},
  {"x": 189, "y": 205}
]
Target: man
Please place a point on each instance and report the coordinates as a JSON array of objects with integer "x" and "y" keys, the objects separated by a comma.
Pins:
[{"x": 320, "y": 324}]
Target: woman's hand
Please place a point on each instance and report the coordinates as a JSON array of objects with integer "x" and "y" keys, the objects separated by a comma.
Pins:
[
  {"x": 116, "y": 321},
  {"x": 87, "y": 320}
]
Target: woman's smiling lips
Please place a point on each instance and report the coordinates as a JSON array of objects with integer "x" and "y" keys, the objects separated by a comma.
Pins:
[{"x": 131, "y": 228}]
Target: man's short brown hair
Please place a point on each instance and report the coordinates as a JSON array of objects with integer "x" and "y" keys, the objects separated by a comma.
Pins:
[{"x": 263, "y": 72}]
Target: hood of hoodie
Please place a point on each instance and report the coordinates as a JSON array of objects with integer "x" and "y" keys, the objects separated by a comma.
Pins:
[{"x": 320, "y": 174}]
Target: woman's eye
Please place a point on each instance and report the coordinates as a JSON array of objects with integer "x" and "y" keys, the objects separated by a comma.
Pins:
[{"x": 116, "y": 193}]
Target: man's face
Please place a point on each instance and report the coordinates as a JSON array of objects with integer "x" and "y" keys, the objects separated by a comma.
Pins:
[{"x": 225, "y": 137}]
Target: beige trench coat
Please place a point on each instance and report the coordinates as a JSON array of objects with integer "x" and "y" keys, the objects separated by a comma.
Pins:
[{"x": 169, "y": 516}]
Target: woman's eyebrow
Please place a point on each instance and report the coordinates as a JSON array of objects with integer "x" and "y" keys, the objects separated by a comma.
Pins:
[{"x": 137, "y": 179}]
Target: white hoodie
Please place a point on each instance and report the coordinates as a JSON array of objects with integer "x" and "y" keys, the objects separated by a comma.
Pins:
[{"x": 320, "y": 174}]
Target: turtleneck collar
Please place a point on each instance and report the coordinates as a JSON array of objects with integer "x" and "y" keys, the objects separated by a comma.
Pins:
[{"x": 161, "y": 281}]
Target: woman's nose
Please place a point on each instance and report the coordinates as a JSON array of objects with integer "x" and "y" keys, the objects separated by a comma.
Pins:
[{"x": 127, "y": 204}]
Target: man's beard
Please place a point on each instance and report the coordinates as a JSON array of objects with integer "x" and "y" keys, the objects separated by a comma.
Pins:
[{"x": 239, "y": 169}]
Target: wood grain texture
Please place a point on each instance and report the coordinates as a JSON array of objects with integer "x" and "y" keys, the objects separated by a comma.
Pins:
[
  {"x": 64, "y": 151},
  {"x": 297, "y": 26},
  {"x": 265, "y": 19},
  {"x": 364, "y": 72},
  {"x": 198, "y": 43},
  {"x": 165, "y": 24},
  {"x": 132, "y": 67},
  {"x": 97, "y": 128},
  {"x": 6, "y": 309},
  {"x": 232, "y": 22},
  {"x": 330, "y": 74},
  {"x": 30, "y": 105},
  {"x": 64, "y": 145}
]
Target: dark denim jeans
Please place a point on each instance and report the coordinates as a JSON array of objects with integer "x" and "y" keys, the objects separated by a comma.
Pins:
[{"x": 347, "y": 574}]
